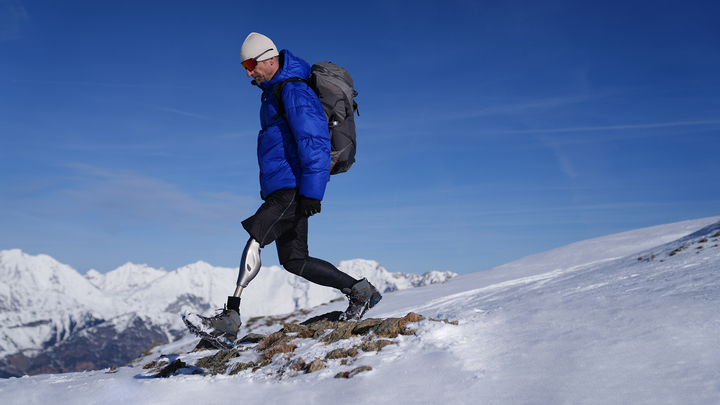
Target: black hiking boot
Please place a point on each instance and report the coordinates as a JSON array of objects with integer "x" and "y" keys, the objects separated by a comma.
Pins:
[{"x": 362, "y": 296}]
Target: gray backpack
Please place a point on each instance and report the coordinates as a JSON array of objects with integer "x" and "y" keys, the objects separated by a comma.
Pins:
[{"x": 334, "y": 87}]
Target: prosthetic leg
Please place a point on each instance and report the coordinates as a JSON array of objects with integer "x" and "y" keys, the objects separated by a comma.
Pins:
[{"x": 249, "y": 268}]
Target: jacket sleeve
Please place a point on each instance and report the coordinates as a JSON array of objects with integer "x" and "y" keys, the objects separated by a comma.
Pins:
[{"x": 307, "y": 121}]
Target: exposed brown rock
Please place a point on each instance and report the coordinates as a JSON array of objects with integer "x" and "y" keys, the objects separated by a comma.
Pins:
[
  {"x": 354, "y": 372},
  {"x": 344, "y": 330},
  {"x": 298, "y": 365},
  {"x": 269, "y": 340},
  {"x": 376, "y": 345},
  {"x": 251, "y": 338},
  {"x": 316, "y": 365},
  {"x": 281, "y": 348},
  {"x": 217, "y": 363},
  {"x": 342, "y": 353},
  {"x": 413, "y": 317},
  {"x": 365, "y": 325},
  {"x": 392, "y": 327}
]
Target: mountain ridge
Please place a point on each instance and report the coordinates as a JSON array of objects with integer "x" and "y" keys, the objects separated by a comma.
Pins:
[{"x": 49, "y": 312}]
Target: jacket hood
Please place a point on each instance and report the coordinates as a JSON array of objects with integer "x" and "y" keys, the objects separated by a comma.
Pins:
[{"x": 290, "y": 66}]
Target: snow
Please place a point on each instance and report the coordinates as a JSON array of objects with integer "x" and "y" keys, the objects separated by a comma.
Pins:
[{"x": 624, "y": 319}]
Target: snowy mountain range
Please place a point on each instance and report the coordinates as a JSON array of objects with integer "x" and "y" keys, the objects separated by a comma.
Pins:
[{"x": 52, "y": 319}]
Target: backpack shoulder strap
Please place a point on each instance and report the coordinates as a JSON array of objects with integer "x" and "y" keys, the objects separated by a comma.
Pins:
[{"x": 277, "y": 90}]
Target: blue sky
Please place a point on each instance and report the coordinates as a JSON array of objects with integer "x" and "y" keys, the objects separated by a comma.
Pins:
[{"x": 488, "y": 130}]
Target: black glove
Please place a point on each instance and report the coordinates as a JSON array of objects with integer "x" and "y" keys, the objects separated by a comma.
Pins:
[{"x": 309, "y": 206}]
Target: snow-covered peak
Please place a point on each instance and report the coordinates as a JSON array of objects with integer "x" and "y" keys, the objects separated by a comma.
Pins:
[
  {"x": 94, "y": 277},
  {"x": 42, "y": 300},
  {"x": 385, "y": 281},
  {"x": 126, "y": 277},
  {"x": 28, "y": 281}
]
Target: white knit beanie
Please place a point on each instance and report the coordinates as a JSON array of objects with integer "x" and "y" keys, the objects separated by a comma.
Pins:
[{"x": 254, "y": 45}]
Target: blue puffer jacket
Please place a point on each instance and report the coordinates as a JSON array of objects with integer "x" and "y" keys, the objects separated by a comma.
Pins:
[{"x": 293, "y": 150}]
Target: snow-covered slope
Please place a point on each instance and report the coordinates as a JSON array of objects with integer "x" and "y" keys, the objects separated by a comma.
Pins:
[
  {"x": 45, "y": 305},
  {"x": 625, "y": 319}
]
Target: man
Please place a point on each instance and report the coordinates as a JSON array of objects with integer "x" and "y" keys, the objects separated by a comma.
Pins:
[{"x": 294, "y": 158}]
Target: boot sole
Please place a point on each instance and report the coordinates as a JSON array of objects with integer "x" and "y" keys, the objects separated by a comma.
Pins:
[
  {"x": 375, "y": 300},
  {"x": 220, "y": 342}
]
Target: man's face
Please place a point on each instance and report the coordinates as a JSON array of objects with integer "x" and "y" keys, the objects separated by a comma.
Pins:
[{"x": 263, "y": 71}]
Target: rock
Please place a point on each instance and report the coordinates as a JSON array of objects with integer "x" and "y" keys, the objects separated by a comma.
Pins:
[
  {"x": 299, "y": 365},
  {"x": 300, "y": 331},
  {"x": 241, "y": 366},
  {"x": 354, "y": 372},
  {"x": 269, "y": 340},
  {"x": 365, "y": 325},
  {"x": 389, "y": 328},
  {"x": 392, "y": 327},
  {"x": 376, "y": 345},
  {"x": 316, "y": 365},
  {"x": 217, "y": 363},
  {"x": 277, "y": 349},
  {"x": 251, "y": 338},
  {"x": 171, "y": 368},
  {"x": 342, "y": 353},
  {"x": 293, "y": 328},
  {"x": 318, "y": 327},
  {"x": 344, "y": 330},
  {"x": 204, "y": 345}
]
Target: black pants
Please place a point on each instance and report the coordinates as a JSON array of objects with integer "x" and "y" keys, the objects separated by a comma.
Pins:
[{"x": 279, "y": 220}]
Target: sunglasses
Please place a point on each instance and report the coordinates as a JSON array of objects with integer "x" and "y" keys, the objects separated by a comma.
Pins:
[{"x": 250, "y": 64}]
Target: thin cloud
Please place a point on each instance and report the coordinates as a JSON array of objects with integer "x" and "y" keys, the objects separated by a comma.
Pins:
[
  {"x": 614, "y": 127},
  {"x": 185, "y": 113},
  {"x": 123, "y": 197},
  {"x": 508, "y": 109},
  {"x": 542, "y": 104},
  {"x": 601, "y": 134}
]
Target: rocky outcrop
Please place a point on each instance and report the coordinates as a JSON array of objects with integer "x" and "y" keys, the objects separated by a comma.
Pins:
[{"x": 278, "y": 348}]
